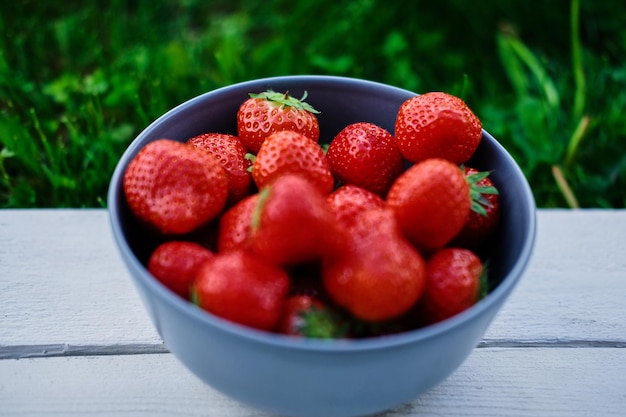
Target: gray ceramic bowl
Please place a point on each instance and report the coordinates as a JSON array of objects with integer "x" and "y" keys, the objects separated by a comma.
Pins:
[{"x": 316, "y": 377}]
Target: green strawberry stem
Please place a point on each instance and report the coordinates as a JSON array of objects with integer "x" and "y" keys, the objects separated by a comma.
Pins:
[
  {"x": 255, "y": 222},
  {"x": 250, "y": 157},
  {"x": 286, "y": 100}
]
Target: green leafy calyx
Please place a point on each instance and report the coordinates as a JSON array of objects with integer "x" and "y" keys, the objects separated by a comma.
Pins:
[
  {"x": 477, "y": 192},
  {"x": 285, "y": 99},
  {"x": 320, "y": 323}
]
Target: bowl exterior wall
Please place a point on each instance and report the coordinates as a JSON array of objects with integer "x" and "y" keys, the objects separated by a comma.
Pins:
[{"x": 312, "y": 377}]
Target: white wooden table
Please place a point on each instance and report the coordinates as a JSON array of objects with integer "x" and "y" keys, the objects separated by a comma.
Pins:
[{"x": 75, "y": 340}]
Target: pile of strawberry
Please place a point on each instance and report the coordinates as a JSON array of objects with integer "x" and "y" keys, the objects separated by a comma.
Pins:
[{"x": 272, "y": 230}]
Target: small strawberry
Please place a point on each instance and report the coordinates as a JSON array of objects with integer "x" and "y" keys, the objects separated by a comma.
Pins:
[
  {"x": 485, "y": 214},
  {"x": 381, "y": 276},
  {"x": 231, "y": 153},
  {"x": 366, "y": 155},
  {"x": 432, "y": 202},
  {"x": 437, "y": 125},
  {"x": 269, "y": 112},
  {"x": 174, "y": 186},
  {"x": 349, "y": 201},
  {"x": 306, "y": 316},
  {"x": 453, "y": 282},
  {"x": 292, "y": 223},
  {"x": 176, "y": 263},
  {"x": 242, "y": 288},
  {"x": 289, "y": 152},
  {"x": 235, "y": 224}
]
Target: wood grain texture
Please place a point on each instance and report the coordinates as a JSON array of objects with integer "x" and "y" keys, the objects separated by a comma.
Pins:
[
  {"x": 63, "y": 282},
  {"x": 75, "y": 339},
  {"x": 64, "y": 288},
  {"x": 574, "y": 290},
  {"x": 493, "y": 382}
]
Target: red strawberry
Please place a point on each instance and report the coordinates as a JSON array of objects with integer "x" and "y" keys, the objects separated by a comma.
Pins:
[
  {"x": 177, "y": 263},
  {"x": 432, "y": 202},
  {"x": 293, "y": 223},
  {"x": 437, "y": 125},
  {"x": 231, "y": 153},
  {"x": 242, "y": 288},
  {"x": 366, "y": 155},
  {"x": 289, "y": 152},
  {"x": 235, "y": 224},
  {"x": 485, "y": 215},
  {"x": 349, "y": 201},
  {"x": 453, "y": 281},
  {"x": 174, "y": 186},
  {"x": 382, "y": 276},
  {"x": 305, "y": 316},
  {"x": 269, "y": 112}
]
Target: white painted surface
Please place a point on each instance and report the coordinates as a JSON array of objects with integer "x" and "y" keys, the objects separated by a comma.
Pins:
[
  {"x": 556, "y": 349},
  {"x": 493, "y": 382}
]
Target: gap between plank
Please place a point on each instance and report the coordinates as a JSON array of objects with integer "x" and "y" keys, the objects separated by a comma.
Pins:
[{"x": 69, "y": 350}]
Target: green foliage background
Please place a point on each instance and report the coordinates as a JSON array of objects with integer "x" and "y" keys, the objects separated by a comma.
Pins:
[{"x": 80, "y": 79}]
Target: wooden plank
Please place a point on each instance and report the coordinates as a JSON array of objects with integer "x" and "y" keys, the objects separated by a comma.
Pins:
[
  {"x": 574, "y": 289},
  {"x": 564, "y": 382},
  {"x": 64, "y": 289},
  {"x": 63, "y": 282}
]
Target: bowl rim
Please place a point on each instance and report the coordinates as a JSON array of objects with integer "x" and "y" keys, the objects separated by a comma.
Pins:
[{"x": 139, "y": 273}]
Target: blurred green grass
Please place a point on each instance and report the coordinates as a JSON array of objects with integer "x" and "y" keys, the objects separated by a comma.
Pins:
[{"x": 80, "y": 79}]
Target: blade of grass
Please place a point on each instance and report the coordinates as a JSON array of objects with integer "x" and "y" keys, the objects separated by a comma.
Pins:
[
  {"x": 577, "y": 62},
  {"x": 564, "y": 187},
  {"x": 512, "y": 65},
  {"x": 538, "y": 71},
  {"x": 575, "y": 140},
  {"x": 49, "y": 152}
]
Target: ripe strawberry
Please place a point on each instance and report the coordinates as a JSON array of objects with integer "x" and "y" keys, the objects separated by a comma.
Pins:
[
  {"x": 292, "y": 223},
  {"x": 289, "y": 152},
  {"x": 453, "y": 280},
  {"x": 174, "y": 186},
  {"x": 437, "y": 125},
  {"x": 366, "y": 155},
  {"x": 231, "y": 153},
  {"x": 241, "y": 288},
  {"x": 485, "y": 213},
  {"x": 381, "y": 276},
  {"x": 269, "y": 112},
  {"x": 432, "y": 202},
  {"x": 235, "y": 225},
  {"x": 306, "y": 316},
  {"x": 176, "y": 263},
  {"x": 349, "y": 201}
]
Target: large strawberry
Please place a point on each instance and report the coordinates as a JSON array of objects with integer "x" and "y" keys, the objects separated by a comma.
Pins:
[
  {"x": 175, "y": 187},
  {"x": 453, "y": 283},
  {"x": 437, "y": 125},
  {"x": 290, "y": 152},
  {"x": 349, "y": 201},
  {"x": 240, "y": 287},
  {"x": 432, "y": 202},
  {"x": 231, "y": 153},
  {"x": 292, "y": 223},
  {"x": 268, "y": 112},
  {"x": 381, "y": 276},
  {"x": 366, "y": 155},
  {"x": 176, "y": 264}
]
